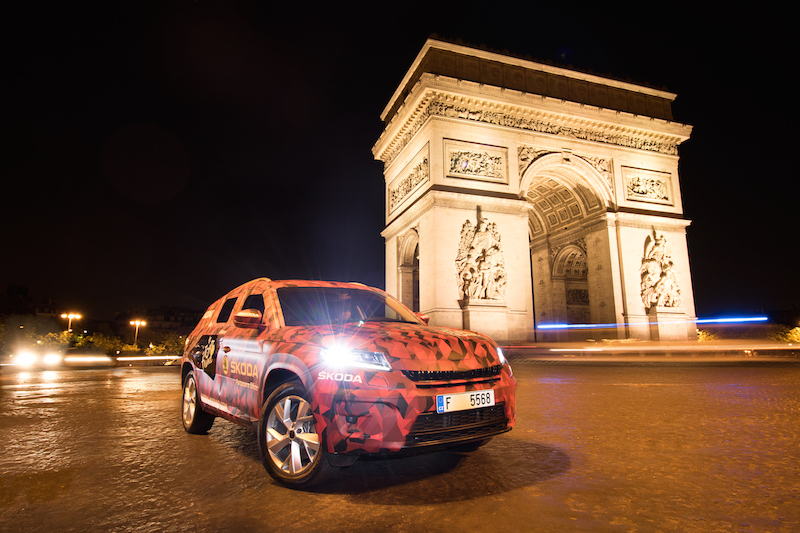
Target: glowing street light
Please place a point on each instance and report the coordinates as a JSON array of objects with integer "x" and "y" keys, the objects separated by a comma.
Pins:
[
  {"x": 70, "y": 317},
  {"x": 137, "y": 323}
]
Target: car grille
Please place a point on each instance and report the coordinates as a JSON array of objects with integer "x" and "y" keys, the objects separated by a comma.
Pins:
[
  {"x": 464, "y": 375},
  {"x": 435, "y": 428}
]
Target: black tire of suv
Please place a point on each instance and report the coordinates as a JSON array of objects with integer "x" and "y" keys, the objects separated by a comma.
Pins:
[
  {"x": 195, "y": 419},
  {"x": 314, "y": 469}
]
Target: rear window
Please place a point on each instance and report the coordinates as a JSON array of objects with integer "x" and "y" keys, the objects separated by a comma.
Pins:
[
  {"x": 225, "y": 312},
  {"x": 310, "y": 306}
]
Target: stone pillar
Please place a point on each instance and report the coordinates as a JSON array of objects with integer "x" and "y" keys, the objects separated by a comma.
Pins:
[
  {"x": 542, "y": 289},
  {"x": 406, "y": 274},
  {"x": 667, "y": 323},
  {"x": 603, "y": 298},
  {"x": 487, "y": 316}
]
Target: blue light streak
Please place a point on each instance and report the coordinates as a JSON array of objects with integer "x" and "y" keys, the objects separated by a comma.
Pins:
[
  {"x": 731, "y": 320},
  {"x": 576, "y": 326},
  {"x": 721, "y": 320}
]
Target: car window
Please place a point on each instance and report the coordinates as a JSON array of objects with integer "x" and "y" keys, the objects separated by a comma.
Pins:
[
  {"x": 225, "y": 312},
  {"x": 254, "y": 301},
  {"x": 308, "y": 306}
]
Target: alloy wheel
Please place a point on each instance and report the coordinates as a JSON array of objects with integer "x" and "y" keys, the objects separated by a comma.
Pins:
[
  {"x": 189, "y": 402},
  {"x": 292, "y": 440}
]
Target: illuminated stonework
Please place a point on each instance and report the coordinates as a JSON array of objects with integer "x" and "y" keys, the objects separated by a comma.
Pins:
[
  {"x": 647, "y": 186},
  {"x": 417, "y": 173},
  {"x": 475, "y": 161},
  {"x": 659, "y": 281},
  {"x": 574, "y": 171},
  {"x": 480, "y": 265}
]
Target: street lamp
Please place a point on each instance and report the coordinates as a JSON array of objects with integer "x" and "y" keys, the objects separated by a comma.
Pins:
[
  {"x": 70, "y": 317},
  {"x": 137, "y": 323}
]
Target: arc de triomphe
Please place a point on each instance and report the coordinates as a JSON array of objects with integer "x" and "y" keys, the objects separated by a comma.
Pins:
[{"x": 521, "y": 195}]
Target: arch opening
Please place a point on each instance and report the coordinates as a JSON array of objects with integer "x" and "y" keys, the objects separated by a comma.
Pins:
[
  {"x": 563, "y": 197},
  {"x": 408, "y": 275}
]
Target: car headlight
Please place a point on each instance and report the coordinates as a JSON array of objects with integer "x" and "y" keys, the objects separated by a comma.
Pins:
[
  {"x": 52, "y": 359},
  {"x": 344, "y": 357},
  {"x": 503, "y": 361},
  {"x": 25, "y": 359},
  {"x": 501, "y": 356}
]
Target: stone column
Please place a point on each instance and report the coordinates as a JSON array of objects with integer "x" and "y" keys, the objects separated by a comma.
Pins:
[
  {"x": 487, "y": 316},
  {"x": 667, "y": 323},
  {"x": 406, "y": 275}
]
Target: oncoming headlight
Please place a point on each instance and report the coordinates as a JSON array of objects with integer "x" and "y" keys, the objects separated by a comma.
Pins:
[
  {"x": 25, "y": 359},
  {"x": 52, "y": 359},
  {"x": 339, "y": 357}
]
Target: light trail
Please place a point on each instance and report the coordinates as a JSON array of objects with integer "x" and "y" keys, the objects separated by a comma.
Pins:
[{"x": 721, "y": 320}]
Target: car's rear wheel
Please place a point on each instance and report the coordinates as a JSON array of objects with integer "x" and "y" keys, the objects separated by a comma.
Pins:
[
  {"x": 195, "y": 420},
  {"x": 292, "y": 449}
]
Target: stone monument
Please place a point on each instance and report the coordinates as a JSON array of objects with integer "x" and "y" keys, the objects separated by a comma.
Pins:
[{"x": 520, "y": 194}]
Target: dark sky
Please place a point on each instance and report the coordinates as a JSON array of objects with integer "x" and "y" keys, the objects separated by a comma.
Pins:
[{"x": 164, "y": 152}]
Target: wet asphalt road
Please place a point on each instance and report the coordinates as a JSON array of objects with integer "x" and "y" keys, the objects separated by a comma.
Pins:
[{"x": 596, "y": 448}]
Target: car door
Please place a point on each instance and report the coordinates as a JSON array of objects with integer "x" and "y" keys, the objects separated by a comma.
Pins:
[
  {"x": 206, "y": 353},
  {"x": 240, "y": 363}
]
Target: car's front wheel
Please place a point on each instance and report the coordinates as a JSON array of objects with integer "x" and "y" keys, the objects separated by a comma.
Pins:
[
  {"x": 292, "y": 449},
  {"x": 195, "y": 420}
]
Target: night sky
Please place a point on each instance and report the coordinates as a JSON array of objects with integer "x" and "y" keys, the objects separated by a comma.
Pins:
[{"x": 162, "y": 153}]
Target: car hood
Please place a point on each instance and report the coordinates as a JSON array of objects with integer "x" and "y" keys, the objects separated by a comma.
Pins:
[{"x": 408, "y": 346}]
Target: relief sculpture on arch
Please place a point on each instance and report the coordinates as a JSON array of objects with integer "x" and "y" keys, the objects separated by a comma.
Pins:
[
  {"x": 659, "y": 281},
  {"x": 480, "y": 265}
]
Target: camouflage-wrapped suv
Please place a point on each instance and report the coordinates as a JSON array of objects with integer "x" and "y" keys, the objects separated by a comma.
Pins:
[{"x": 326, "y": 371}]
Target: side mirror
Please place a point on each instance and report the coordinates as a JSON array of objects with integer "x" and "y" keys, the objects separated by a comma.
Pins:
[
  {"x": 247, "y": 318},
  {"x": 422, "y": 316}
]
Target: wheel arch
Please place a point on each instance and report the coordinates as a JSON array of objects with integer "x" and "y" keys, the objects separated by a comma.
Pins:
[
  {"x": 186, "y": 367},
  {"x": 281, "y": 368}
]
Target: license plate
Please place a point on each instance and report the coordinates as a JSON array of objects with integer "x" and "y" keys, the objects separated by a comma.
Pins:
[{"x": 462, "y": 401}]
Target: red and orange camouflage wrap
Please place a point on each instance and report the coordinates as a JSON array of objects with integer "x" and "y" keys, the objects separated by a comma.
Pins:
[{"x": 356, "y": 410}]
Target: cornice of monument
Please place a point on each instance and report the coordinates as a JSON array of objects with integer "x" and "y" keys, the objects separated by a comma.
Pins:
[
  {"x": 518, "y": 62},
  {"x": 650, "y": 221},
  {"x": 465, "y": 101}
]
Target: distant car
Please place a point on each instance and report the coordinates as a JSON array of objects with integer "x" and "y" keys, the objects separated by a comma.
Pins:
[
  {"x": 40, "y": 358},
  {"x": 327, "y": 371},
  {"x": 34, "y": 358}
]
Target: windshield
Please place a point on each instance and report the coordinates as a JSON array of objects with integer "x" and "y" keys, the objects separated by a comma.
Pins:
[{"x": 314, "y": 306}]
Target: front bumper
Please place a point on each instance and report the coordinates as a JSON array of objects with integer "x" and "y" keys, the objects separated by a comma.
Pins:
[{"x": 362, "y": 418}]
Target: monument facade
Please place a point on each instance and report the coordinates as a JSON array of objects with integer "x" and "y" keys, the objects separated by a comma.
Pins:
[{"x": 523, "y": 196}]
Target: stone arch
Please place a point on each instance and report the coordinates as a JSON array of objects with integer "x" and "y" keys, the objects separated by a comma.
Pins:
[
  {"x": 570, "y": 263},
  {"x": 564, "y": 191},
  {"x": 593, "y": 173},
  {"x": 571, "y": 284},
  {"x": 408, "y": 269}
]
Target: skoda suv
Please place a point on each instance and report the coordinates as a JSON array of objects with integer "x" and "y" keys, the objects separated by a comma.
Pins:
[{"x": 326, "y": 371}]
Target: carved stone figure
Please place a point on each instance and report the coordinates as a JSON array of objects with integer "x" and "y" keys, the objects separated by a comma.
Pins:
[
  {"x": 476, "y": 164},
  {"x": 659, "y": 283},
  {"x": 640, "y": 186},
  {"x": 480, "y": 264},
  {"x": 417, "y": 175}
]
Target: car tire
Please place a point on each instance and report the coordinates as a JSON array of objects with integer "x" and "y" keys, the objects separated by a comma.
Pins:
[
  {"x": 469, "y": 446},
  {"x": 195, "y": 420},
  {"x": 292, "y": 451}
]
